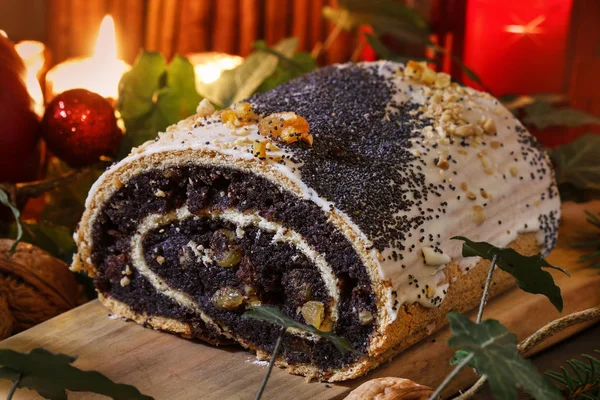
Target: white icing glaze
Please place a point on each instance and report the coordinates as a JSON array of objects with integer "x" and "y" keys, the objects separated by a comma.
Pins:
[{"x": 510, "y": 204}]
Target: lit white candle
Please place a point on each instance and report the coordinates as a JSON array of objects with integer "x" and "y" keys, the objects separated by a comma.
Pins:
[{"x": 100, "y": 73}]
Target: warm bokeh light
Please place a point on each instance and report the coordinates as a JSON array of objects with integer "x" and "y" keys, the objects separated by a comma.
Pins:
[
  {"x": 530, "y": 28},
  {"x": 32, "y": 53},
  {"x": 209, "y": 66},
  {"x": 100, "y": 73}
]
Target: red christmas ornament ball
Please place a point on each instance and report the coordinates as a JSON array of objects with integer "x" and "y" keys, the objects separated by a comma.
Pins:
[{"x": 80, "y": 126}]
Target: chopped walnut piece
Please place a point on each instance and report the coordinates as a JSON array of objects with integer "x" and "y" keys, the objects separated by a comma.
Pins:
[
  {"x": 205, "y": 108},
  {"x": 125, "y": 281},
  {"x": 428, "y": 77},
  {"x": 442, "y": 80},
  {"x": 464, "y": 130},
  {"x": 434, "y": 258},
  {"x": 489, "y": 126},
  {"x": 479, "y": 214}
]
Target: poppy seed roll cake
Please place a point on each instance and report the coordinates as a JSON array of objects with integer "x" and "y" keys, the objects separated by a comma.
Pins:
[{"x": 333, "y": 197}]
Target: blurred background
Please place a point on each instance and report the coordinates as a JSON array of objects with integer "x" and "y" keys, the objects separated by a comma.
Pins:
[{"x": 515, "y": 47}]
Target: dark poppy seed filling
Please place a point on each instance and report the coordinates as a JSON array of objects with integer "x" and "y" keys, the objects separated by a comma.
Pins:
[{"x": 203, "y": 255}]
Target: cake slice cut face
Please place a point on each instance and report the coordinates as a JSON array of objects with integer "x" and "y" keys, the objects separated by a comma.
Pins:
[{"x": 334, "y": 198}]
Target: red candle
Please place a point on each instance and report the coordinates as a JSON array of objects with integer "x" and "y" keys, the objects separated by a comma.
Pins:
[{"x": 518, "y": 46}]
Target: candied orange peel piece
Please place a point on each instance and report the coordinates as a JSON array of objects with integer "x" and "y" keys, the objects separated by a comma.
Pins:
[{"x": 287, "y": 127}]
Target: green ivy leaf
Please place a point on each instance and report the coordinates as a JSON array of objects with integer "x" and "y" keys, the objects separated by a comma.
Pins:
[
  {"x": 578, "y": 163},
  {"x": 65, "y": 204},
  {"x": 178, "y": 99},
  {"x": 4, "y": 200},
  {"x": 542, "y": 115},
  {"x": 137, "y": 86},
  {"x": 527, "y": 270},
  {"x": 239, "y": 83},
  {"x": 345, "y": 19},
  {"x": 277, "y": 317},
  {"x": 299, "y": 64},
  {"x": 154, "y": 95},
  {"x": 51, "y": 374},
  {"x": 459, "y": 356},
  {"x": 56, "y": 240},
  {"x": 496, "y": 356},
  {"x": 398, "y": 12}
]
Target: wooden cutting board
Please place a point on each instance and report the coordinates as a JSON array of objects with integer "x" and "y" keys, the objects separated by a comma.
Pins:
[{"x": 168, "y": 367}]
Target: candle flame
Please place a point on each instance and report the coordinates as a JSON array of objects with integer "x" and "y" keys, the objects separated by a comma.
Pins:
[
  {"x": 100, "y": 73},
  {"x": 32, "y": 53},
  {"x": 106, "y": 44}
]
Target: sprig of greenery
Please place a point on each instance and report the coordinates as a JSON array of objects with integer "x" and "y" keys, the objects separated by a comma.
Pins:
[
  {"x": 493, "y": 351},
  {"x": 397, "y": 20},
  {"x": 582, "y": 381},
  {"x": 527, "y": 270},
  {"x": 51, "y": 374},
  {"x": 241, "y": 82},
  {"x": 590, "y": 239},
  {"x": 154, "y": 95},
  {"x": 277, "y": 317},
  {"x": 542, "y": 114},
  {"x": 487, "y": 345},
  {"x": 577, "y": 167},
  {"x": 287, "y": 68},
  {"x": 4, "y": 200}
]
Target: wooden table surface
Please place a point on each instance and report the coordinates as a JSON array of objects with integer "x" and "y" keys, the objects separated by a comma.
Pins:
[{"x": 169, "y": 367}]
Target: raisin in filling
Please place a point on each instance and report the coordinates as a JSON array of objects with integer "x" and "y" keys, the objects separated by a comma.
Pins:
[{"x": 187, "y": 254}]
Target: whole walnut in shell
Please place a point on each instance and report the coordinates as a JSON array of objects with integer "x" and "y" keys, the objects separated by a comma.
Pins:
[
  {"x": 35, "y": 285},
  {"x": 6, "y": 319},
  {"x": 390, "y": 389}
]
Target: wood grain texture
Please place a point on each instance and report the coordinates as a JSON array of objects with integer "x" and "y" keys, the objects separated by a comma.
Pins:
[{"x": 168, "y": 367}]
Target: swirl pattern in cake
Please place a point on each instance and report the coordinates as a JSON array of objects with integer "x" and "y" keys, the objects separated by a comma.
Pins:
[{"x": 333, "y": 197}]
